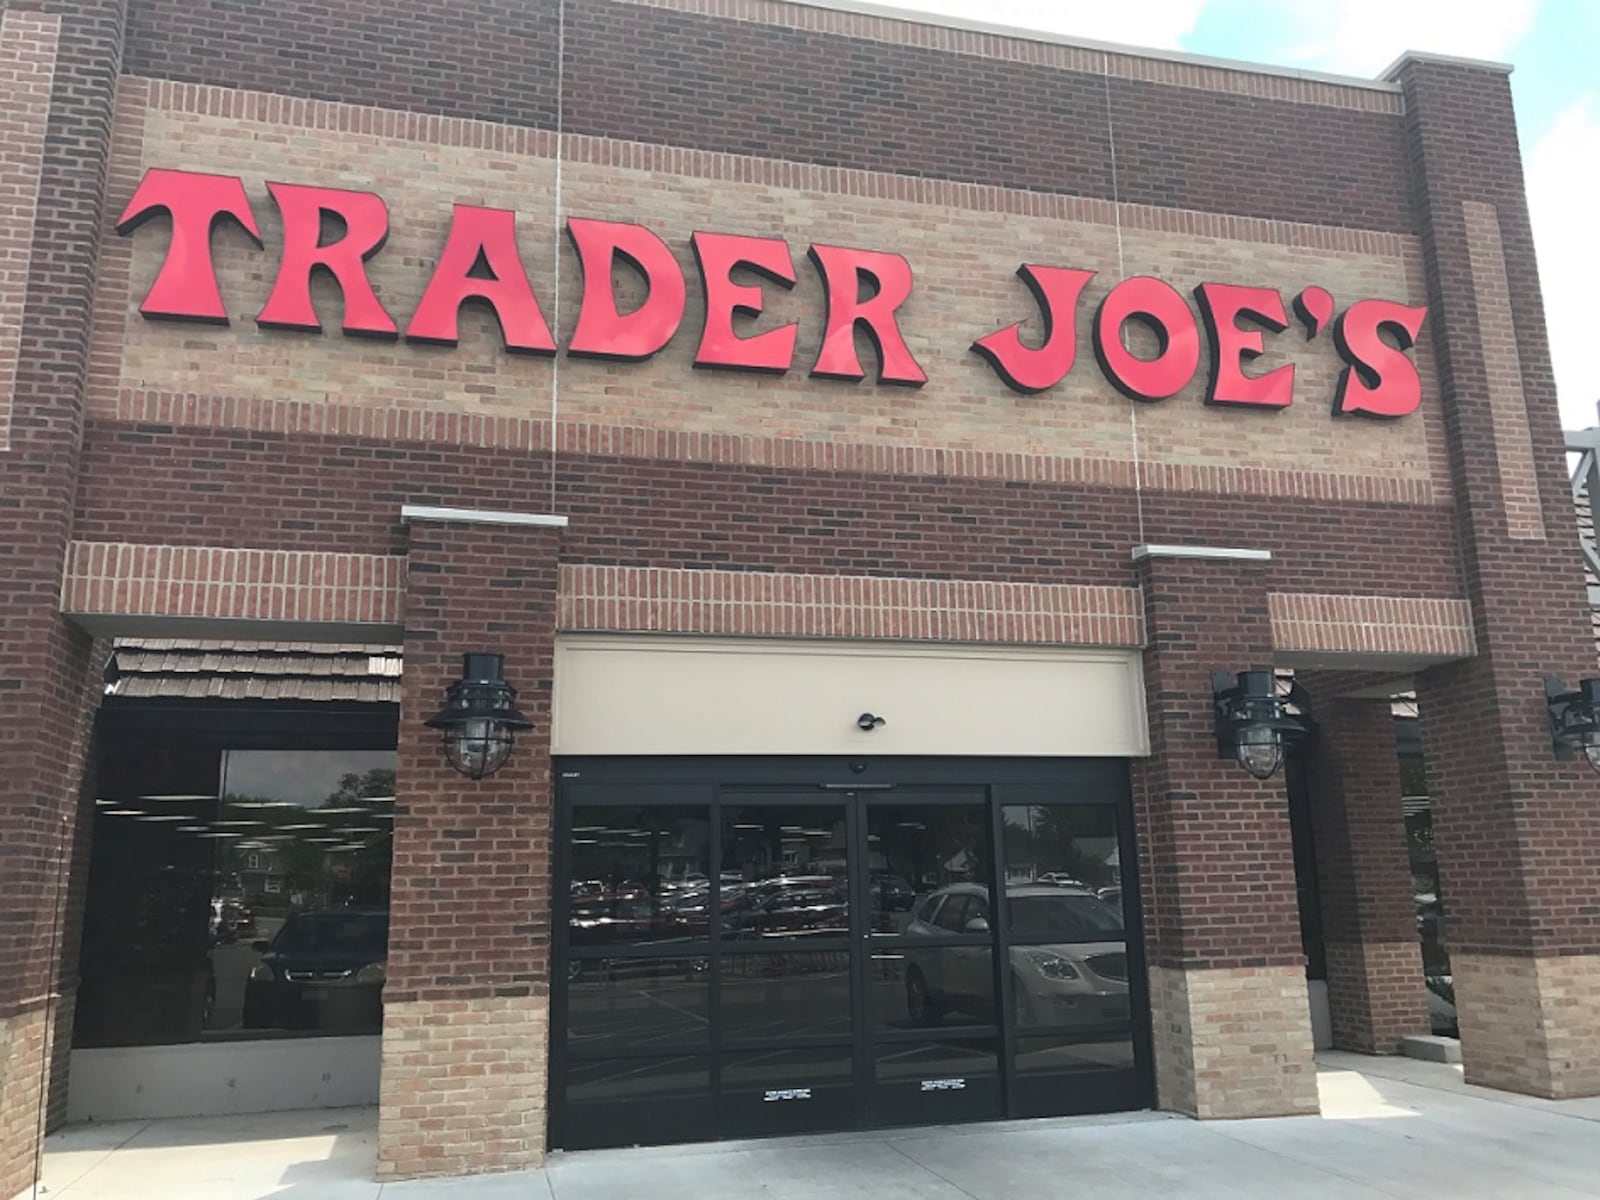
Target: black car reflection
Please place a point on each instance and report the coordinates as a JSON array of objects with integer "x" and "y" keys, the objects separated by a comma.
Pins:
[
  {"x": 793, "y": 906},
  {"x": 323, "y": 971},
  {"x": 631, "y": 913},
  {"x": 890, "y": 893}
]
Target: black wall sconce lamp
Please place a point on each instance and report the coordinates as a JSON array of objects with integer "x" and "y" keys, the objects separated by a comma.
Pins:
[
  {"x": 868, "y": 722},
  {"x": 1574, "y": 718},
  {"x": 1257, "y": 724},
  {"x": 479, "y": 718}
]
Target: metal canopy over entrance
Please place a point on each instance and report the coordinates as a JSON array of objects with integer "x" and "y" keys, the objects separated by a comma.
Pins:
[{"x": 749, "y": 947}]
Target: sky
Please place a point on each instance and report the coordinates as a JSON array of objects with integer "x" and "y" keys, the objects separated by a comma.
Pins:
[{"x": 1554, "y": 46}]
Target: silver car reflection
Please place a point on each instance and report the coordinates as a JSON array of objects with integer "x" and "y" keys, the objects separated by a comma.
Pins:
[{"x": 1070, "y": 981}]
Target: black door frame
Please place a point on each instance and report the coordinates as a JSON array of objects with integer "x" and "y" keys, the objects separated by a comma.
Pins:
[{"x": 704, "y": 780}]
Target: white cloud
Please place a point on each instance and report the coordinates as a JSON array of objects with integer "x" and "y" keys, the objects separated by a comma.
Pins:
[
  {"x": 1562, "y": 199},
  {"x": 1154, "y": 23},
  {"x": 1362, "y": 37}
]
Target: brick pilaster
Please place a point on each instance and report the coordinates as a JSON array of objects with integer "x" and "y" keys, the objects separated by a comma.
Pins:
[
  {"x": 1232, "y": 1026},
  {"x": 59, "y": 64},
  {"x": 465, "y": 1008},
  {"x": 1375, "y": 989},
  {"x": 1517, "y": 833}
]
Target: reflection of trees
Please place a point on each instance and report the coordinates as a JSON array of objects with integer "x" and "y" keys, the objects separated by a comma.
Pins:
[
  {"x": 933, "y": 845},
  {"x": 320, "y": 879},
  {"x": 1048, "y": 837},
  {"x": 638, "y": 848},
  {"x": 354, "y": 788},
  {"x": 956, "y": 838}
]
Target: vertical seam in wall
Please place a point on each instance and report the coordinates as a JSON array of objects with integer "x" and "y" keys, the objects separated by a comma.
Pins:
[
  {"x": 560, "y": 151},
  {"x": 28, "y": 48},
  {"x": 1502, "y": 374},
  {"x": 1122, "y": 271}
]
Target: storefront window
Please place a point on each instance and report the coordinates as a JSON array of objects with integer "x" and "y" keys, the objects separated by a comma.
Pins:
[
  {"x": 1065, "y": 914},
  {"x": 1428, "y": 896},
  {"x": 919, "y": 850},
  {"x": 783, "y": 873},
  {"x": 639, "y": 875},
  {"x": 240, "y": 893},
  {"x": 1071, "y": 846}
]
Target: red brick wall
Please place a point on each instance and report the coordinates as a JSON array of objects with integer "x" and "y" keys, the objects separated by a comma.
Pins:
[
  {"x": 490, "y": 59},
  {"x": 1517, "y": 833},
  {"x": 997, "y": 111},
  {"x": 1375, "y": 988},
  {"x": 314, "y": 492},
  {"x": 464, "y": 1064},
  {"x": 47, "y": 681},
  {"x": 43, "y": 663},
  {"x": 470, "y": 899},
  {"x": 843, "y": 100},
  {"x": 1218, "y": 871}
]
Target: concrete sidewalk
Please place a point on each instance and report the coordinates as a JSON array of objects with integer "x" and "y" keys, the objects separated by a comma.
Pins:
[{"x": 1390, "y": 1128}]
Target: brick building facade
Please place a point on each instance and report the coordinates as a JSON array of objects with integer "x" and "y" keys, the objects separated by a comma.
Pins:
[{"x": 205, "y": 479}]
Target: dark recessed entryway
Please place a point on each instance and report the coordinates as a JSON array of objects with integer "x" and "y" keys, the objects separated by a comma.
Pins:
[{"x": 747, "y": 947}]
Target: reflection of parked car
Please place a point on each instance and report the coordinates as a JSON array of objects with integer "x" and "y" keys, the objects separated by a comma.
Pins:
[
  {"x": 1442, "y": 1005},
  {"x": 1061, "y": 879},
  {"x": 794, "y": 905},
  {"x": 231, "y": 920},
  {"x": 631, "y": 913},
  {"x": 1079, "y": 976},
  {"x": 890, "y": 893},
  {"x": 1430, "y": 916},
  {"x": 323, "y": 970}
]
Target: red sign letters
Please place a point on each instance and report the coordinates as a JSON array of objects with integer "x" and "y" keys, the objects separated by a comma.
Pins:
[{"x": 336, "y": 231}]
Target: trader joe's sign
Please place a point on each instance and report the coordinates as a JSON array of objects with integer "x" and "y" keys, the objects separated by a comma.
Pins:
[{"x": 862, "y": 291}]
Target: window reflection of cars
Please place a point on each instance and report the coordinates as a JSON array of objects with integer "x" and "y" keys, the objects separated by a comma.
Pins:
[
  {"x": 1076, "y": 974},
  {"x": 890, "y": 893},
  {"x": 631, "y": 912},
  {"x": 1061, "y": 879},
  {"x": 322, "y": 971},
  {"x": 1441, "y": 996},
  {"x": 791, "y": 906},
  {"x": 231, "y": 920}
]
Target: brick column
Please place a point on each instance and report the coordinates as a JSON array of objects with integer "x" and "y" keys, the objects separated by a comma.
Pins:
[
  {"x": 467, "y": 1000},
  {"x": 1375, "y": 991},
  {"x": 1232, "y": 1024},
  {"x": 59, "y": 64},
  {"x": 1517, "y": 833}
]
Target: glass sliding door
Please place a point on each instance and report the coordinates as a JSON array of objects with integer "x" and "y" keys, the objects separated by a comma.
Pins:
[
  {"x": 1071, "y": 1013},
  {"x": 777, "y": 948},
  {"x": 633, "y": 1063},
  {"x": 785, "y": 1008},
  {"x": 932, "y": 1027}
]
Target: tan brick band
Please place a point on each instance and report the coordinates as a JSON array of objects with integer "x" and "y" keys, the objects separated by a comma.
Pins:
[
  {"x": 1371, "y": 625},
  {"x": 28, "y": 42},
  {"x": 937, "y": 33},
  {"x": 211, "y": 583},
  {"x": 1376, "y": 994},
  {"x": 138, "y": 94},
  {"x": 594, "y": 598},
  {"x": 1502, "y": 365},
  {"x": 1233, "y": 1042},
  {"x": 491, "y": 431},
  {"x": 22, "y": 1049},
  {"x": 463, "y": 1086},
  {"x": 1530, "y": 1025}
]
